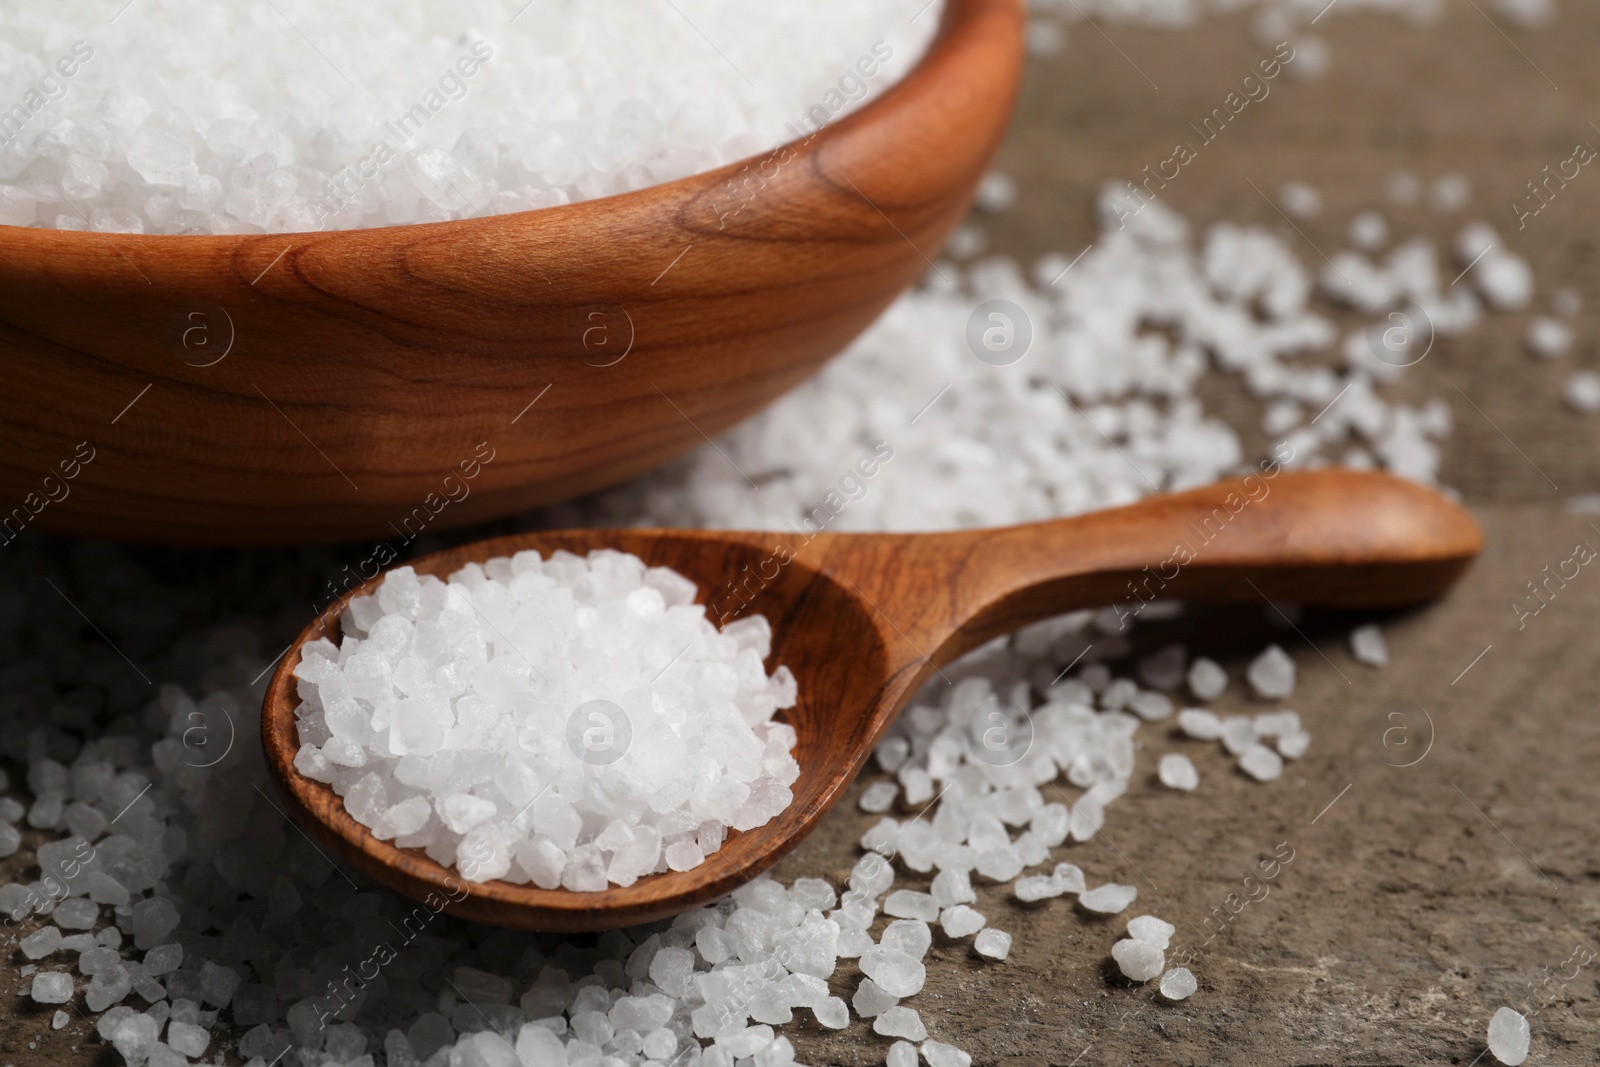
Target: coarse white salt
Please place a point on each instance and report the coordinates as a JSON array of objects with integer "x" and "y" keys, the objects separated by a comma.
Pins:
[
  {"x": 1300, "y": 200},
  {"x": 1583, "y": 392},
  {"x": 1294, "y": 745},
  {"x": 900, "y": 1021},
  {"x": 1548, "y": 337},
  {"x": 1138, "y": 960},
  {"x": 901, "y": 1054},
  {"x": 616, "y": 731},
  {"x": 1271, "y": 674},
  {"x": 992, "y": 944},
  {"x": 879, "y": 797},
  {"x": 1238, "y": 733},
  {"x": 1108, "y": 899},
  {"x": 1178, "y": 984},
  {"x": 1261, "y": 763},
  {"x": 1509, "y": 1036},
  {"x": 961, "y": 921},
  {"x": 1368, "y": 231},
  {"x": 1449, "y": 193},
  {"x": 323, "y": 117},
  {"x": 1200, "y": 724},
  {"x": 939, "y": 1054},
  {"x": 1207, "y": 679},
  {"x": 1157, "y": 932},
  {"x": 1177, "y": 772},
  {"x": 997, "y": 193},
  {"x": 52, "y": 987},
  {"x": 1368, "y": 646}
]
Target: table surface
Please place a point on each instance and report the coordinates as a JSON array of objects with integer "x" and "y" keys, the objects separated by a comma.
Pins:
[
  {"x": 1428, "y": 895},
  {"x": 1420, "y": 898}
]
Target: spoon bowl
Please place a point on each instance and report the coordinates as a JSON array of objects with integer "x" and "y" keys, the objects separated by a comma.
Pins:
[
  {"x": 282, "y": 388},
  {"x": 864, "y": 620}
]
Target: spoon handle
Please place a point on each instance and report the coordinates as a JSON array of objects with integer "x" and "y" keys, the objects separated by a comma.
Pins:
[{"x": 1327, "y": 537}]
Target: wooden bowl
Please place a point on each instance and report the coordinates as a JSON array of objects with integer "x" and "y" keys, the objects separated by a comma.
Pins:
[{"x": 275, "y": 388}]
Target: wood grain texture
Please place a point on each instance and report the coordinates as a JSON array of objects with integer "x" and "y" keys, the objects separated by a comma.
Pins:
[
  {"x": 864, "y": 620},
  {"x": 366, "y": 365}
]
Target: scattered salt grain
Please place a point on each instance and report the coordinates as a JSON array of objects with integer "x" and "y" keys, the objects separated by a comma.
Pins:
[
  {"x": 1138, "y": 960},
  {"x": 1261, "y": 763},
  {"x": 59, "y": 1020},
  {"x": 1509, "y": 1036},
  {"x": 992, "y": 944},
  {"x": 1271, "y": 674},
  {"x": 939, "y": 1054},
  {"x": 1177, "y": 772},
  {"x": 1548, "y": 337},
  {"x": 871, "y": 998},
  {"x": 1583, "y": 392},
  {"x": 1238, "y": 733},
  {"x": 1449, "y": 194},
  {"x": 41, "y": 943},
  {"x": 1300, "y": 200},
  {"x": 962, "y": 921},
  {"x": 901, "y": 1054},
  {"x": 900, "y": 1021},
  {"x": 1294, "y": 745},
  {"x": 879, "y": 797},
  {"x": 1368, "y": 231},
  {"x": 1157, "y": 932},
  {"x": 1178, "y": 984},
  {"x": 910, "y": 904},
  {"x": 1108, "y": 899},
  {"x": 1037, "y": 887},
  {"x": 1200, "y": 724},
  {"x": 997, "y": 193},
  {"x": 1207, "y": 679},
  {"x": 52, "y": 987},
  {"x": 1368, "y": 646}
]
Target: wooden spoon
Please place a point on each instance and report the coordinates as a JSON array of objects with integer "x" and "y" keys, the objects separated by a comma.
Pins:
[{"x": 864, "y": 620}]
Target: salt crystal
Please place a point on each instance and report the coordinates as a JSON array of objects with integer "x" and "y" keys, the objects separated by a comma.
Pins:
[
  {"x": 188, "y": 1039},
  {"x": 939, "y": 1054},
  {"x": 1178, "y": 984},
  {"x": 1261, "y": 763},
  {"x": 41, "y": 942},
  {"x": 1149, "y": 928},
  {"x": 1037, "y": 887},
  {"x": 961, "y": 921},
  {"x": 1294, "y": 745},
  {"x": 1199, "y": 724},
  {"x": 59, "y": 1020},
  {"x": 1300, "y": 200},
  {"x": 52, "y": 987},
  {"x": 910, "y": 904},
  {"x": 897, "y": 973},
  {"x": 832, "y": 1013},
  {"x": 1548, "y": 337},
  {"x": 871, "y": 998},
  {"x": 1238, "y": 733},
  {"x": 1138, "y": 960},
  {"x": 952, "y": 886},
  {"x": 997, "y": 193},
  {"x": 901, "y": 1054},
  {"x": 1368, "y": 646},
  {"x": 1177, "y": 772},
  {"x": 879, "y": 797},
  {"x": 1583, "y": 392},
  {"x": 1271, "y": 674},
  {"x": 1108, "y": 899},
  {"x": 1509, "y": 1036},
  {"x": 992, "y": 944},
  {"x": 76, "y": 913}
]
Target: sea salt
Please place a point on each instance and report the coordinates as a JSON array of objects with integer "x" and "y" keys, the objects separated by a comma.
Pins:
[
  {"x": 1138, "y": 960},
  {"x": 1178, "y": 984},
  {"x": 1207, "y": 679},
  {"x": 1509, "y": 1036},
  {"x": 617, "y": 687},
  {"x": 879, "y": 797},
  {"x": 1177, "y": 772},
  {"x": 52, "y": 987},
  {"x": 408, "y": 112},
  {"x": 992, "y": 944},
  {"x": 961, "y": 921},
  {"x": 1368, "y": 646},
  {"x": 939, "y": 1054},
  {"x": 1108, "y": 899},
  {"x": 1157, "y": 932},
  {"x": 1582, "y": 392},
  {"x": 1271, "y": 674},
  {"x": 1261, "y": 763},
  {"x": 1548, "y": 337},
  {"x": 1200, "y": 724}
]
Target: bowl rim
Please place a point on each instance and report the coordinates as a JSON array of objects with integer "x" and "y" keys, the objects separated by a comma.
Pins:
[{"x": 940, "y": 51}]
